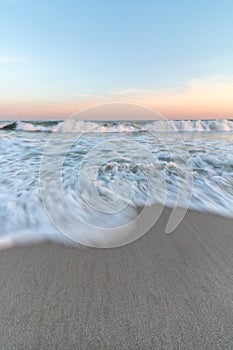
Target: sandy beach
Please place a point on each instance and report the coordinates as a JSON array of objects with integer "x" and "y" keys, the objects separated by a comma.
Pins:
[{"x": 161, "y": 292}]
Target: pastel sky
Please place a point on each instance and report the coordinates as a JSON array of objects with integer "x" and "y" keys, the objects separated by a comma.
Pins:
[{"x": 174, "y": 56}]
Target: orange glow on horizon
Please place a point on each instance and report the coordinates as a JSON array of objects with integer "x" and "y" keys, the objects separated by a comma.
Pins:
[{"x": 198, "y": 99}]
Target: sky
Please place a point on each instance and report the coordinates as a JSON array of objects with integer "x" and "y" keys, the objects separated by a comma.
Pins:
[{"x": 174, "y": 56}]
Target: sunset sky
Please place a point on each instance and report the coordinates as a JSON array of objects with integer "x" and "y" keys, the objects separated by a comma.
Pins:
[{"x": 174, "y": 56}]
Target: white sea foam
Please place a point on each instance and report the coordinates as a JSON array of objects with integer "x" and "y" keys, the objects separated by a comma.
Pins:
[
  {"x": 123, "y": 178},
  {"x": 72, "y": 125},
  {"x": 158, "y": 125}
]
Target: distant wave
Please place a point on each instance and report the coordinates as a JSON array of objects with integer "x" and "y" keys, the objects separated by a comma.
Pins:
[
  {"x": 8, "y": 126},
  {"x": 190, "y": 125},
  {"x": 31, "y": 126},
  {"x": 135, "y": 126},
  {"x": 71, "y": 125}
]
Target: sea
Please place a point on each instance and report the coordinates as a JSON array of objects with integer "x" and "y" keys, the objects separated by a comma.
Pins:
[{"x": 101, "y": 172}]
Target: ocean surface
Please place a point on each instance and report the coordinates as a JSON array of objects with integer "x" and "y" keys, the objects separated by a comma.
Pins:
[{"x": 106, "y": 165}]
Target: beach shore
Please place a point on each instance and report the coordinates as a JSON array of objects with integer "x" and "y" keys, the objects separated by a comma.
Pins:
[{"x": 164, "y": 291}]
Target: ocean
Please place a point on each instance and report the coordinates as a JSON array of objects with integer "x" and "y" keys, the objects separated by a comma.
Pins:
[{"x": 101, "y": 172}]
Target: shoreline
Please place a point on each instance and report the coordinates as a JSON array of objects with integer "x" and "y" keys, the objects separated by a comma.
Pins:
[
  {"x": 163, "y": 291},
  {"x": 30, "y": 237}
]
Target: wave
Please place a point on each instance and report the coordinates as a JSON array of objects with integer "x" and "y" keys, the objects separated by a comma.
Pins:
[
  {"x": 8, "y": 125},
  {"x": 72, "y": 125},
  {"x": 36, "y": 126},
  {"x": 151, "y": 126},
  {"x": 190, "y": 125},
  {"x": 29, "y": 126}
]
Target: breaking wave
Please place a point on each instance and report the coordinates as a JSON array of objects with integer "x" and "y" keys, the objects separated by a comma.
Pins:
[{"x": 72, "y": 125}]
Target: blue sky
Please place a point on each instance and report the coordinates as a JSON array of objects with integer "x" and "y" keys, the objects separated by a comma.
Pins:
[{"x": 72, "y": 53}]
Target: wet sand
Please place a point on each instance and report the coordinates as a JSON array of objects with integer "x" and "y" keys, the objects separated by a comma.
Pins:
[{"x": 164, "y": 291}]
